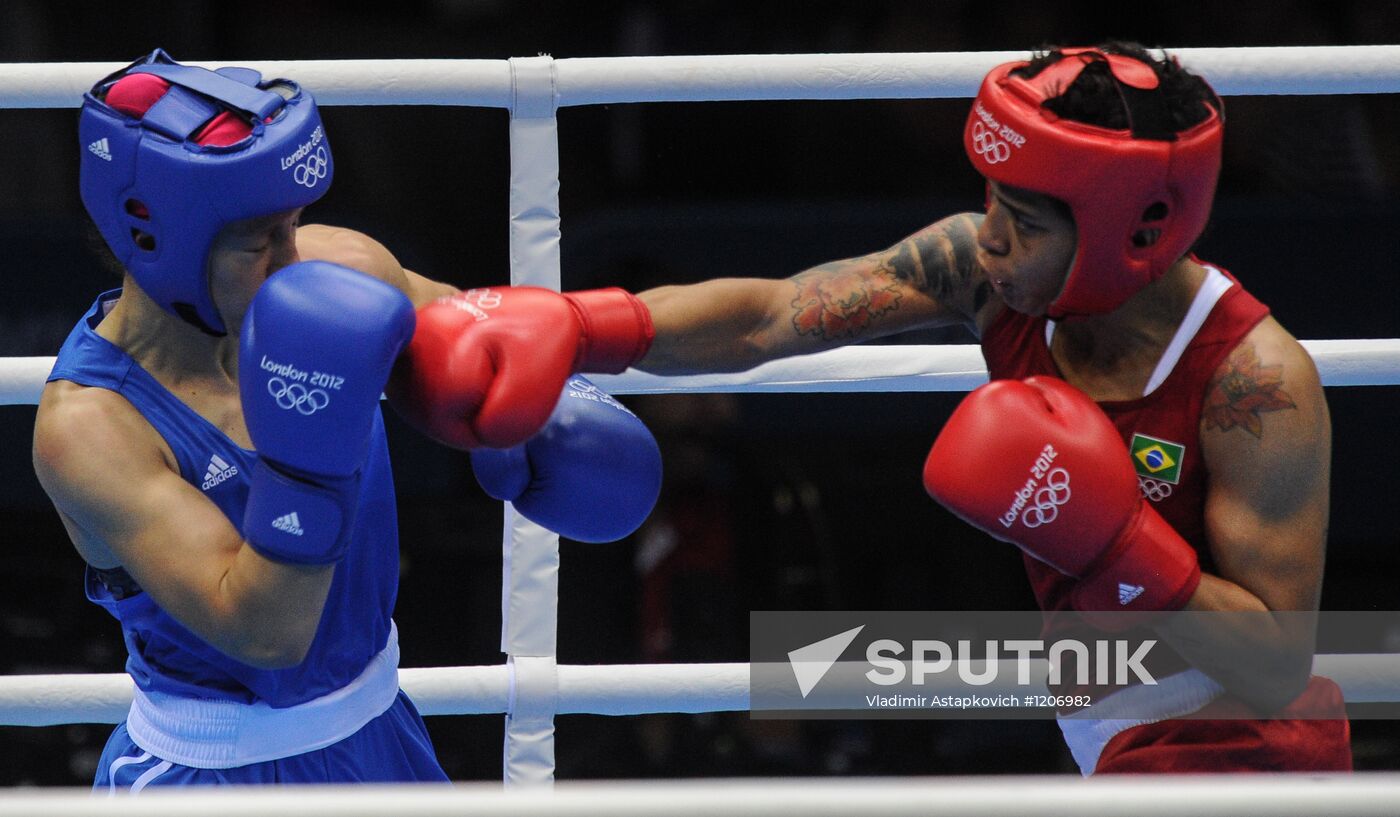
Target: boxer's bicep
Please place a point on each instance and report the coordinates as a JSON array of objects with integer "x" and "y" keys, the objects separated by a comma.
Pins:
[{"x": 104, "y": 469}]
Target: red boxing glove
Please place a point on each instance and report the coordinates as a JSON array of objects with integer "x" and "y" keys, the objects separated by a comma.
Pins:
[
  {"x": 1038, "y": 464},
  {"x": 486, "y": 366}
]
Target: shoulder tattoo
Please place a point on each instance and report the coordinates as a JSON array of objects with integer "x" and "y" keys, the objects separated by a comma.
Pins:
[
  {"x": 843, "y": 298},
  {"x": 1242, "y": 390}
]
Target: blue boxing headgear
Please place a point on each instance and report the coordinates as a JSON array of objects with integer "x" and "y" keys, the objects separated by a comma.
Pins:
[{"x": 159, "y": 198}]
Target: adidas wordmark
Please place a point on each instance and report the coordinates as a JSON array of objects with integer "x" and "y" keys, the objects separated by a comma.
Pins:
[{"x": 217, "y": 472}]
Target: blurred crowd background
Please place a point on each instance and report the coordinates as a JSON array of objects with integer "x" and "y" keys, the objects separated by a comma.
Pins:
[{"x": 771, "y": 502}]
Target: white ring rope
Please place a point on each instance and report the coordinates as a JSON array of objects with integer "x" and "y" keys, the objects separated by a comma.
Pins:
[
  {"x": 952, "y": 367},
  {"x": 617, "y": 689},
  {"x": 1369, "y": 69},
  {"x": 1257, "y": 795}
]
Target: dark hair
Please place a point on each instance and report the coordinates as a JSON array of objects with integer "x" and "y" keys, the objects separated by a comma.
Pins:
[{"x": 1096, "y": 97}]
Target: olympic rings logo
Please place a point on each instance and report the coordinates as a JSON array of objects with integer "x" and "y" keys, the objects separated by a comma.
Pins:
[
  {"x": 314, "y": 169},
  {"x": 485, "y": 298},
  {"x": 988, "y": 146},
  {"x": 1154, "y": 489},
  {"x": 1048, "y": 500},
  {"x": 296, "y": 396}
]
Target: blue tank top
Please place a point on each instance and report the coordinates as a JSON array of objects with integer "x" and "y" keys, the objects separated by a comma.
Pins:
[{"x": 165, "y": 656}]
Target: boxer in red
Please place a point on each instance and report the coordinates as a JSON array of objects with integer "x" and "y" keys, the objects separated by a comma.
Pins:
[{"x": 1193, "y": 425}]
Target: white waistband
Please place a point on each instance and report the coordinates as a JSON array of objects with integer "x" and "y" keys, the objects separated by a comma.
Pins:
[
  {"x": 213, "y": 734},
  {"x": 1088, "y": 731}
]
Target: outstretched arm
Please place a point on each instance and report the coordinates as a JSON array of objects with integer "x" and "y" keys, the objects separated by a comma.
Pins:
[
  {"x": 485, "y": 366},
  {"x": 927, "y": 280}
]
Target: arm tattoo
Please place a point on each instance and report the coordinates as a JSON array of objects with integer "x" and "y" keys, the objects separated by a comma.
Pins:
[
  {"x": 947, "y": 257},
  {"x": 842, "y": 299},
  {"x": 838, "y": 300},
  {"x": 1242, "y": 390}
]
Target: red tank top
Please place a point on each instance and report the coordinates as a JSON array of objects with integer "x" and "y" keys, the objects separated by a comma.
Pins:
[{"x": 1161, "y": 430}]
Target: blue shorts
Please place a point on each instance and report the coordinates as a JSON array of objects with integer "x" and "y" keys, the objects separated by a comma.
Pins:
[{"x": 392, "y": 748}]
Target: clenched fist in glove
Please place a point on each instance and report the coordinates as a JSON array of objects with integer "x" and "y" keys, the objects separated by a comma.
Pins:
[
  {"x": 593, "y": 473},
  {"x": 1038, "y": 464},
  {"x": 486, "y": 366},
  {"x": 316, "y": 347}
]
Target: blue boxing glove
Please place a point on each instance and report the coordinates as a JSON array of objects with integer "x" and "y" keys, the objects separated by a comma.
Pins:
[
  {"x": 316, "y": 348},
  {"x": 591, "y": 474}
]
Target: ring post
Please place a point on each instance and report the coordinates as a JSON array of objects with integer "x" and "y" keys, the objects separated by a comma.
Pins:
[{"x": 530, "y": 591}]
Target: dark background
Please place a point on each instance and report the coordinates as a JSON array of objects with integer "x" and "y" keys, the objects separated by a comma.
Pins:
[{"x": 771, "y": 502}]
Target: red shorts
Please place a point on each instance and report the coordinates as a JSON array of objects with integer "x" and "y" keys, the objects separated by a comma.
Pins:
[{"x": 1239, "y": 743}]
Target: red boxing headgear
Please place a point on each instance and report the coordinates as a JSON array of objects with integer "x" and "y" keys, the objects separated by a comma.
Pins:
[{"x": 1112, "y": 181}]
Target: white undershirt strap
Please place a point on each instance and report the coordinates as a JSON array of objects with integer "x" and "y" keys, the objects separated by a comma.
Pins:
[{"x": 1212, "y": 288}]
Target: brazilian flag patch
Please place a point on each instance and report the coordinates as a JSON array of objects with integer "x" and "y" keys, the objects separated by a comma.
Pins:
[{"x": 1157, "y": 459}]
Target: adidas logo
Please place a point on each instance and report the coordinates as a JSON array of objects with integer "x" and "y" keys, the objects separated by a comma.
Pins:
[
  {"x": 218, "y": 472},
  {"x": 288, "y": 524},
  {"x": 1128, "y": 592},
  {"x": 101, "y": 149}
]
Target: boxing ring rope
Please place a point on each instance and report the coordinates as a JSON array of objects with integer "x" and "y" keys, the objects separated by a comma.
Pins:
[
  {"x": 1258, "y": 795},
  {"x": 611, "y": 689},
  {"x": 1368, "y": 69},
  {"x": 945, "y": 368},
  {"x": 530, "y": 687}
]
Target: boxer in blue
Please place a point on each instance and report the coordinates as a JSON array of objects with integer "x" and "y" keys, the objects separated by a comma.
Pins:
[{"x": 211, "y": 437}]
